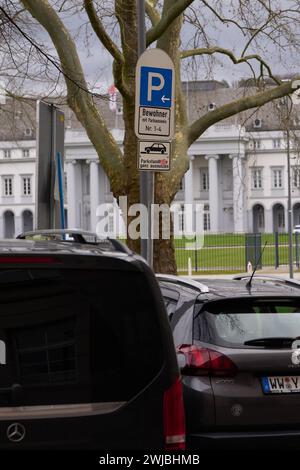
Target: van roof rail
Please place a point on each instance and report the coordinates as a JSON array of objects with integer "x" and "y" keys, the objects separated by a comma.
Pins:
[{"x": 77, "y": 236}]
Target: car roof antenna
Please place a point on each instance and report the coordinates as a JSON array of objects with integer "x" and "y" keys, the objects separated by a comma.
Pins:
[{"x": 249, "y": 283}]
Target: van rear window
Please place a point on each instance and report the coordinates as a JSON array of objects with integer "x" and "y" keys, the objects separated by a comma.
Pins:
[{"x": 76, "y": 336}]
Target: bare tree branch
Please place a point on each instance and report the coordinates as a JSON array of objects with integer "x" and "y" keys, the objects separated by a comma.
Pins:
[
  {"x": 196, "y": 129},
  {"x": 220, "y": 50},
  {"x": 172, "y": 13},
  {"x": 110, "y": 46},
  {"x": 223, "y": 20},
  {"x": 79, "y": 100},
  {"x": 256, "y": 33},
  {"x": 152, "y": 13},
  {"x": 99, "y": 29}
]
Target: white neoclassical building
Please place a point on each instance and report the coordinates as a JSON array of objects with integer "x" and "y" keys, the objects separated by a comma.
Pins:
[{"x": 237, "y": 171}]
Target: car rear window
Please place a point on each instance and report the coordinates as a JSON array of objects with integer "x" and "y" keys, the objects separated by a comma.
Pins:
[
  {"x": 76, "y": 336},
  {"x": 234, "y": 323}
]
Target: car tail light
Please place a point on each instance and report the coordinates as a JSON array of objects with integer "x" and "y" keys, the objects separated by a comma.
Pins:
[
  {"x": 174, "y": 418},
  {"x": 28, "y": 260},
  {"x": 204, "y": 361}
]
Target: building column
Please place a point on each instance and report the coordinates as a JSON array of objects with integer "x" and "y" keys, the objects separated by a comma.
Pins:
[
  {"x": 213, "y": 177},
  {"x": 238, "y": 193},
  {"x": 94, "y": 192},
  {"x": 189, "y": 198},
  {"x": 71, "y": 194}
]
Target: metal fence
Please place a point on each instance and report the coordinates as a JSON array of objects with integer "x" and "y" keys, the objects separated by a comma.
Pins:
[{"x": 232, "y": 252}]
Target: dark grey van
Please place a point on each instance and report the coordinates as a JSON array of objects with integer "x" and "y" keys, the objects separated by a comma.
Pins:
[{"x": 87, "y": 358}]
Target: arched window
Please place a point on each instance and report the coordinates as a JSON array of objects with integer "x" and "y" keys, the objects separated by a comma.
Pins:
[{"x": 9, "y": 224}]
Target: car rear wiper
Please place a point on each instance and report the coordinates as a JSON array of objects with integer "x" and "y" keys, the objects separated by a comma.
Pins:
[{"x": 276, "y": 342}]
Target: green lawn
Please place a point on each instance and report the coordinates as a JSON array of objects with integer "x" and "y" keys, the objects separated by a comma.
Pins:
[
  {"x": 227, "y": 258},
  {"x": 225, "y": 252},
  {"x": 212, "y": 258},
  {"x": 222, "y": 239}
]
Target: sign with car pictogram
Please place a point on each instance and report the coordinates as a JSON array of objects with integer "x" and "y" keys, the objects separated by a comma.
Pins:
[
  {"x": 154, "y": 112},
  {"x": 154, "y": 156}
]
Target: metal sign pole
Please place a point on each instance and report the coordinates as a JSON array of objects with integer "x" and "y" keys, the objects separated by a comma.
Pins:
[
  {"x": 146, "y": 178},
  {"x": 60, "y": 177},
  {"x": 53, "y": 214}
]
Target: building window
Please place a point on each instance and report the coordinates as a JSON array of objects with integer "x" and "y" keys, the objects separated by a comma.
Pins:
[
  {"x": 257, "y": 179},
  {"x": 206, "y": 218},
  {"x": 260, "y": 218},
  {"x": 181, "y": 185},
  {"x": 26, "y": 153},
  {"x": 7, "y": 185},
  {"x": 26, "y": 185},
  {"x": 277, "y": 179},
  {"x": 204, "y": 180},
  {"x": 276, "y": 143},
  {"x": 7, "y": 153},
  {"x": 257, "y": 144},
  {"x": 296, "y": 177},
  {"x": 206, "y": 221},
  {"x": 181, "y": 219},
  {"x": 280, "y": 219}
]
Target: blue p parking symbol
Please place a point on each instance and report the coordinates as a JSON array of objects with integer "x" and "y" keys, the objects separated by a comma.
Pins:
[{"x": 156, "y": 87}]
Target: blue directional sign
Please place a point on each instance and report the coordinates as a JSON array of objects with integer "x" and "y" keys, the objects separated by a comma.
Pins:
[
  {"x": 156, "y": 87},
  {"x": 155, "y": 97}
]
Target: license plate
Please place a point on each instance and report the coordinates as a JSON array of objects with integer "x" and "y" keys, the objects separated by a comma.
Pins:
[{"x": 283, "y": 384}]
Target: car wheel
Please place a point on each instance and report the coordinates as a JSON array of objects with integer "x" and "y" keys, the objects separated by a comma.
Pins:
[
  {"x": 148, "y": 150},
  {"x": 162, "y": 151}
]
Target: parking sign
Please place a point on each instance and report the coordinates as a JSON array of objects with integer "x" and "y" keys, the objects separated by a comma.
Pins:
[
  {"x": 154, "y": 156},
  {"x": 154, "y": 112},
  {"x": 156, "y": 87}
]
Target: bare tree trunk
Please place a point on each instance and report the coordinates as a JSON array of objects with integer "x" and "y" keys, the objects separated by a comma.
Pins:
[
  {"x": 163, "y": 247},
  {"x": 164, "y": 255}
]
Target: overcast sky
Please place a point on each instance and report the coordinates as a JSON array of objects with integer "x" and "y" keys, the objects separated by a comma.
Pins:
[{"x": 97, "y": 63}]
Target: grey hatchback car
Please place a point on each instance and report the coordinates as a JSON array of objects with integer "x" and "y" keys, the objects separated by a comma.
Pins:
[{"x": 237, "y": 350}]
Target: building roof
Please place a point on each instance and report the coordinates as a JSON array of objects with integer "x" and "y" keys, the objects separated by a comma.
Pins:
[{"x": 18, "y": 117}]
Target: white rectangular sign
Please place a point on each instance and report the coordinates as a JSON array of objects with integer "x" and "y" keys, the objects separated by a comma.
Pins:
[
  {"x": 154, "y": 121},
  {"x": 154, "y": 156},
  {"x": 154, "y": 96}
]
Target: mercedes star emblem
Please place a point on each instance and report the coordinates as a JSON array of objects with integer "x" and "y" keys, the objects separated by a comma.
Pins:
[{"x": 15, "y": 432}]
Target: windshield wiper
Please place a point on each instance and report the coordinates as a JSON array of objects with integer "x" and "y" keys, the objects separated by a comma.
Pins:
[{"x": 276, "y": 342}]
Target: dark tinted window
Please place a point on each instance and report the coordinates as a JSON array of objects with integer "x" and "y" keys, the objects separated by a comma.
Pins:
[
  {"x": 76, "y": 336},
  {"x": 47, "y": 353}
]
